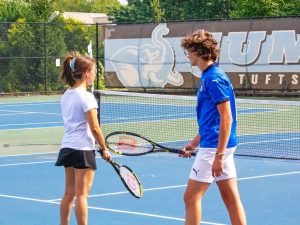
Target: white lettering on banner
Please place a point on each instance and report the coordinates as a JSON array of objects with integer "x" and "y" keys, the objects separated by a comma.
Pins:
[
  {"x": 269, "y": 78},
  {"x": 241, "y": 75},
  {"x": 254, "y": 78},
  {"x": 281, "y": 76},
  {"x": 295, "y": 79},
  {"x": 285, "y": 47},
  {"x": 244, "y": 50}
]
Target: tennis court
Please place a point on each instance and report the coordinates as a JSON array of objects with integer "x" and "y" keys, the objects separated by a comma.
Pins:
[{"x": 32, "y": 186}]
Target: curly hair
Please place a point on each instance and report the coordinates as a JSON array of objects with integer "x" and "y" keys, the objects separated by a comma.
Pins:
[{"x": 203, "y": 44}]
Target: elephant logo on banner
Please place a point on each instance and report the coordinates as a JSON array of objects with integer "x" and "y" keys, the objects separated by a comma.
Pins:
[{"x": 150, "y": 64}]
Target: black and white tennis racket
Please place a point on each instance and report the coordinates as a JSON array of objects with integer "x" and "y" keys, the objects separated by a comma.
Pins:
[
  {"x": 132, "y": 144},
  {"x": 128, "y": 178}
]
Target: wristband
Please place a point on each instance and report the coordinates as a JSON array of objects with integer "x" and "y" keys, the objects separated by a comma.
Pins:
[{"x": 219, "y": 154}]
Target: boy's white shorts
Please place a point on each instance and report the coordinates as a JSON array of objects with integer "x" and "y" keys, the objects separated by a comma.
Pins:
[{"x": 202, "y": 167}]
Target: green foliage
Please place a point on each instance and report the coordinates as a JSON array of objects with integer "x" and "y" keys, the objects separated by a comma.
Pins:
[
  {"x": 100, "y": 74},
  {"x": 28, "y": 53},
  {"x": 159, "y": 13},
  {"x": 162, "y": 10},
  {"x": 202, "y": 9},
  {"x": 30, "y": 64},
  {"x": 96, "y": 6},
  {"x": 264, "y": 8},
  {"x": 168, "y": 10},
  {"x": 72, "y": 6},
  {"x": 28, "y": 50},
  {"x": 104, "y": 6},
  {"x": 30, "y": 10},
  {"x": 78, "y": 36},
  {"x": 12, "y": 10},
  {"x": 135, "y": 11},
  {"x": 41, "y": 9}
]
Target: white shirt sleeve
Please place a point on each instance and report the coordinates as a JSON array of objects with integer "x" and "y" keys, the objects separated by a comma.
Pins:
[{"x": 89, "y": 102}]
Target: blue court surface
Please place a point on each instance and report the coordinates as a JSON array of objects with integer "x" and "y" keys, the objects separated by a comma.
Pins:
[{"x": 31, "y": 186}]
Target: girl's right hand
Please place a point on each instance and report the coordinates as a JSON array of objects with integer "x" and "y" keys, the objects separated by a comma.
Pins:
[{"x": 105, "y": 155}]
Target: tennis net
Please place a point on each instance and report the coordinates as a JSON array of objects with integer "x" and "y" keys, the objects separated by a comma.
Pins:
[{"x": 266, "y": 128}]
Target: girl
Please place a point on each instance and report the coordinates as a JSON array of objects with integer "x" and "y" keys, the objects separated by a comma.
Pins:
[{"x": 81, "y": 130}]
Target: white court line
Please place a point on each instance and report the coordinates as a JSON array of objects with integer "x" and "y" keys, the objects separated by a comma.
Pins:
[
  {"x": 13, "y": 112},
  {"x": 31, "y": 128},
  {"x": 39, "y": 162},
  {"x": 27, "y": 199},
  {"x": 129, "y": 120},
  {"x": 22, "y": 124},
  {"x": 126, "y": 192},
  {"x": 144, "y": 121},
  {"x": 275, "y": 140},
  {"x": 107, "y": 209},
  {"x": 27, "y": 163},
  {"x": 264, "y": 133},
  {"x": 270, "y": 175},
  {"x": 150, "y": 215},
  {"x": 184, "y": 185},
  {"x": 17, "y": 104},
  {"x": 29, "y": 154}
]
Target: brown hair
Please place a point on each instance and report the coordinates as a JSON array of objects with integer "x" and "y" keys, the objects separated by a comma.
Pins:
[
  {"x": 74, "y": 66},
  {"x": 203, "y": 44}
]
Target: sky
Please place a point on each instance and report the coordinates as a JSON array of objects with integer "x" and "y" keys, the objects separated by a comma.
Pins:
[{"x": 123, "y": 2}]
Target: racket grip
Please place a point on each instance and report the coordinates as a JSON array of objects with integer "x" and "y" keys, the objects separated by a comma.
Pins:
[
  {"x": 192, "y": 153},
  {"x": 100, "y": 151}
]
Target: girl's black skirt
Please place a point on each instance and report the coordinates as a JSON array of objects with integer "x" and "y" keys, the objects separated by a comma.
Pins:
[{"x": 79, "y": 159}]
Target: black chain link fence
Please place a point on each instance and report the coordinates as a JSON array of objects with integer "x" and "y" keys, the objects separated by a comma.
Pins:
[{"x": 31, "y": 54}]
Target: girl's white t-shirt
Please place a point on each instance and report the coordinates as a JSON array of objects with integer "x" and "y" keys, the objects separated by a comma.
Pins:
[{"x": 77, "y": 133}]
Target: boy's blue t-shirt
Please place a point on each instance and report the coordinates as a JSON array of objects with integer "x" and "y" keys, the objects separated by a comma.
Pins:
[{"x": 214, "y": 88}]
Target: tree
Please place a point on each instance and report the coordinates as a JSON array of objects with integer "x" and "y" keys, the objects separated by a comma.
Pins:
[
  {"x": 170, "y": 10},
  {"x": 26, "y": 47},
  {"x": 10, "y": 10},
  {"x": 97, "y": 6},
  {"x": 78, "y": 36},
  {"x": 166, "y": 10},
  {"x": 72, "y": 6},
  {"x": 31, "y": 10},
  {"x": 159, "y": 13},
  {"x": 264, "y": 8},
  {"x": 104, "y": 6},
  {"x": 135, "y": 11},
  {"x": 41, "y": 10},
  {"x": 202, "y": 9}
]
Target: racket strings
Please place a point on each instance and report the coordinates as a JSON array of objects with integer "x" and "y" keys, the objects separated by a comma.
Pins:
[
  {"x": 128, "y": 144},
  {"x": 131, "y": 181}
]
